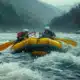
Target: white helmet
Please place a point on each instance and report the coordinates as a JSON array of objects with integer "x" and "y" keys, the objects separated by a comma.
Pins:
[
  {"x": 25, "y": 30},
  {"x": 47, "y": 28}
]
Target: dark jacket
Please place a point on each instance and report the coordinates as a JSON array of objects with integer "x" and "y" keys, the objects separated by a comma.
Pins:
[{"x": 48, "y": 34}]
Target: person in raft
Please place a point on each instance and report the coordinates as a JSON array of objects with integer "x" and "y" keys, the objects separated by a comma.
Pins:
[
  {"x": 22, "y": 35},
  {"x": 48, "y": 33}
]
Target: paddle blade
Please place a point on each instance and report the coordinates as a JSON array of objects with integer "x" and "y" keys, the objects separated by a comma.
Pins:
[
  {"x": 68, "y": 41},
  {"x": 5, "y": 45}
]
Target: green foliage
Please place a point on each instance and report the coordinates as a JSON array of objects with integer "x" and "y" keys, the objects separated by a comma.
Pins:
[
  {"x": 13, "y": 20},
  {"x": 72, "y": 17},
  {"x": 8, "y": 15}
]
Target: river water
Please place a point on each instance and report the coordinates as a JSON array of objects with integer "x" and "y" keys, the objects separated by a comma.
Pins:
[{"x": 53, "y": 66}]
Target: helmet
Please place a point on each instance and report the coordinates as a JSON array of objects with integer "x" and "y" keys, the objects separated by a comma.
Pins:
[
  {"x": 47, "y": 28},
  {"x": 25, "y": 30}
]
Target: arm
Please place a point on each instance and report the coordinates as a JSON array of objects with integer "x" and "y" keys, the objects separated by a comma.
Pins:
[{"x": 53, "y": 35}]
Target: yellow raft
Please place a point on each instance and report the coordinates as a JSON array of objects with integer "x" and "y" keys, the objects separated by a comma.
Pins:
[{"x": 37, "y": 46}]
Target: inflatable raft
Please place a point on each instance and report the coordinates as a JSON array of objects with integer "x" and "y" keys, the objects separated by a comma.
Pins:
[{"x": 37, "y": 46}]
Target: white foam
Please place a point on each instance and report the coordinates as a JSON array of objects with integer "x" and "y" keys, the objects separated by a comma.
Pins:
[{"x": 12, "y": 71}]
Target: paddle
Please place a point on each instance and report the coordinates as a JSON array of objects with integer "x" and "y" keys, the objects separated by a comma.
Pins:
[
  {"x": 6, "y": 45},
  {"x": 68, "y": 41}
]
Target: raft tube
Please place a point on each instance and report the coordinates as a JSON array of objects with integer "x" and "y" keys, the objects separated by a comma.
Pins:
[{"x": 37, "y": 46}]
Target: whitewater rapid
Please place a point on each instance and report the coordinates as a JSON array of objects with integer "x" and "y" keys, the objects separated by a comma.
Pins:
[{"x": 53, "y": 66}]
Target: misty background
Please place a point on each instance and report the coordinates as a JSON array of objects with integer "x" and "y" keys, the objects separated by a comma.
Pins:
[{"x": 33, "y": 14}]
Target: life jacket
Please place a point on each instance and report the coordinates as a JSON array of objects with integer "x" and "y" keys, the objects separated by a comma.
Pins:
[{"x": 20, "y": 34}]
